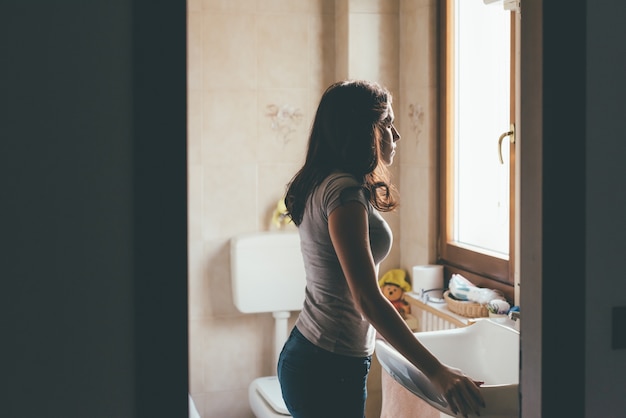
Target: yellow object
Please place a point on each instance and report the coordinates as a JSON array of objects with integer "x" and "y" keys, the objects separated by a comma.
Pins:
[
  {"x": 397, "y": 277},
  {"x": 280, "y": 217}
]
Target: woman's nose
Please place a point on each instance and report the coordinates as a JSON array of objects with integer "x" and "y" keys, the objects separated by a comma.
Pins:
[{"x": 396, "y": 134}]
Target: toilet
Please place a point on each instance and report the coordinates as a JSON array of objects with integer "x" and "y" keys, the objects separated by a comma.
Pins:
[{"x": 267, "y": 275}]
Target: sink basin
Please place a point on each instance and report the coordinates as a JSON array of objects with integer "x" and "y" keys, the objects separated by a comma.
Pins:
[{"x": 486, "y": 350}]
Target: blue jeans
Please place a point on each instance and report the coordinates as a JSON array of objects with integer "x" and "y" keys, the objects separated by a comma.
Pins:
[{"x": 319, "y": 384}]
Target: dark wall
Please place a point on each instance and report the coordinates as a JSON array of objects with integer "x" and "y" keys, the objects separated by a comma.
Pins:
[
  {"x": 93, "y": 218},
  {"x": 553, "y": 192},
  {"x": 572, "y": 223},
  {"x": 605, "y": 289}
]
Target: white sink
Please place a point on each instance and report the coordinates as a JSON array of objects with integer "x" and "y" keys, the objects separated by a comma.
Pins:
[{"x": 487, "y": 351}]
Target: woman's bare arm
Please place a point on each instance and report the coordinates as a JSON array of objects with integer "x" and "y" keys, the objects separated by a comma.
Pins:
[{"x": 348, "y": 228}]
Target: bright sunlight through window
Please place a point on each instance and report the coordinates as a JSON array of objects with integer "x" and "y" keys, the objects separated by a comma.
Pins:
[{"x": 482, "y": 113}]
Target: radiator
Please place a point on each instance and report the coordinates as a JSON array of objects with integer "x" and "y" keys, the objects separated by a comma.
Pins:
[
  {"x": 429, "y": 321},
  {"x": 434, "y": 316}
]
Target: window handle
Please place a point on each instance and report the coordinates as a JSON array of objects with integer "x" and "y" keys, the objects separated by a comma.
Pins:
[{"x": 511, "y": 135}]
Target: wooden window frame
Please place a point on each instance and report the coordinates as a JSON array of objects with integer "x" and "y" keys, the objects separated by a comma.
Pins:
[{"x": 482, "y": 269}]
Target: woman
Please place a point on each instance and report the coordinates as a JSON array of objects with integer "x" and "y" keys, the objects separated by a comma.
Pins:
[{"x": 335, "y": 200}]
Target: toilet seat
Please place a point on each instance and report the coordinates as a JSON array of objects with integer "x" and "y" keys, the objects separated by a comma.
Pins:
[{"x": 266, "y": 398}]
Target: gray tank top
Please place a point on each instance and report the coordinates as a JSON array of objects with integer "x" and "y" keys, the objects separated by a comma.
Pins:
[{"x": 329, "y": 318}]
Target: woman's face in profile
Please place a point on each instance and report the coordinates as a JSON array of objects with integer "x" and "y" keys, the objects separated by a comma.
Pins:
[{"x": 389, "y": 137}]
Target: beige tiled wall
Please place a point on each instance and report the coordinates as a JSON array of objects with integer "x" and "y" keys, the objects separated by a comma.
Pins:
[
  {"x": 417, "y": 117},
  {"x": 256, "y": 70}
]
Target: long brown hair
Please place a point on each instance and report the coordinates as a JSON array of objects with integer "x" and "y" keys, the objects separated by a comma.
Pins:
[{"x": 344, "y": 138}]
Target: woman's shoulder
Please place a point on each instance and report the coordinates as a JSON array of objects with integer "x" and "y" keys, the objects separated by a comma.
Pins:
[
  {"x": 342, "y": 187},
  {"x": 342, "y": 180}
]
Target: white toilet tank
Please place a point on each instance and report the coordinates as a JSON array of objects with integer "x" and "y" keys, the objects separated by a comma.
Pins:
[{"x": 267, "y": 272}]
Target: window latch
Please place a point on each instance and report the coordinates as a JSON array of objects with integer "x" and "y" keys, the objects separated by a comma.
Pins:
[{"x": 511, "y": 135}]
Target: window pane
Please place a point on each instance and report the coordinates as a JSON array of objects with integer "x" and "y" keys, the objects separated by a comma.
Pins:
[{"x": 482, "y": 100}]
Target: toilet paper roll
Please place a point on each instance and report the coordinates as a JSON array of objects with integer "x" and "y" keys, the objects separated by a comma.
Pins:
[{"x": 426, "y": 277}]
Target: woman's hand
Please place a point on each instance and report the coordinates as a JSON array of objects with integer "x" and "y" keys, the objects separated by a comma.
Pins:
[{"x": 461, "y": 392}]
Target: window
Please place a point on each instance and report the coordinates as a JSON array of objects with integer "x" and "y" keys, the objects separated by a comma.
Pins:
[{"x": 477, "y": 188}]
